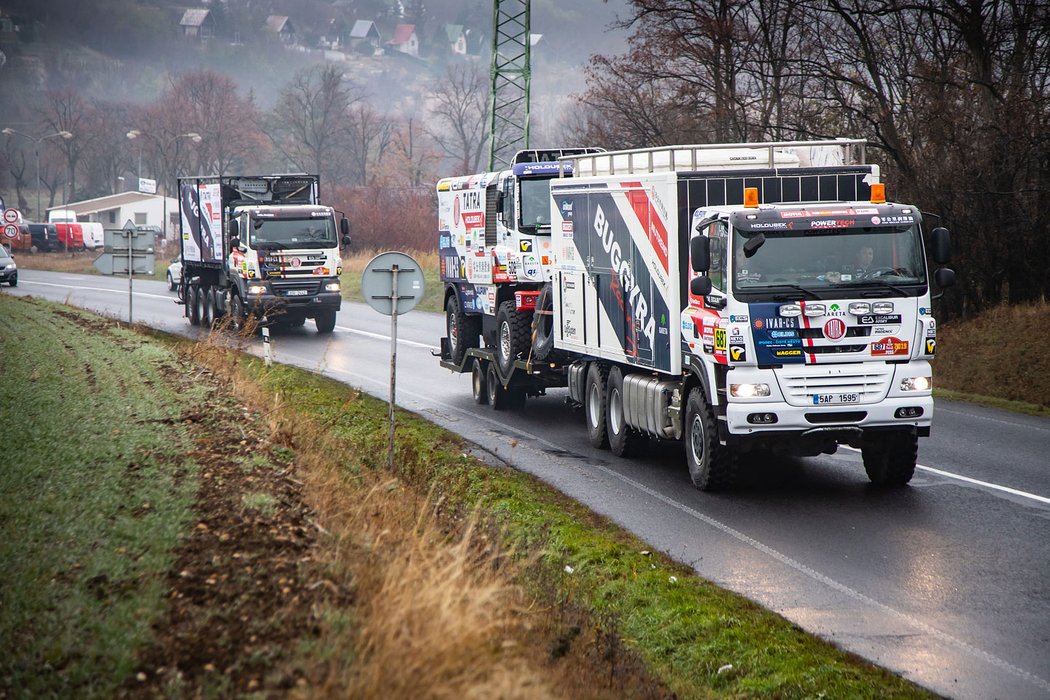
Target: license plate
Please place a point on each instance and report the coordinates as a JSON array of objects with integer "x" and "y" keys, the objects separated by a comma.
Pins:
[
  {"x": 297, "y": 292},
  {"x": 829, "y": 399}
]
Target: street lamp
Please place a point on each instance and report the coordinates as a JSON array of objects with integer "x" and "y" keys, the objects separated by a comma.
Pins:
[
  {"x": 36, "y": 143},
  {"x": 192, "y": 136}
]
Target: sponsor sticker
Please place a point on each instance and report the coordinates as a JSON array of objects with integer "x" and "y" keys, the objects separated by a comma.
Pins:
[
  {"x": 888, "y": 347},
  {"x": 931, "y": 346},
  {"x": 880, "y": 320},
  {"x": 525, "y": 245},
  {"x": 720, "y": 339},
  {"x": 739, "y": 318},
  {"x": 787, "y": 353},
  {"x": 738, "y": 353}
]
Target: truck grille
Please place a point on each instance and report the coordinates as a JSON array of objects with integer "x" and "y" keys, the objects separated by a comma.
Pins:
[
  {"x": 288, "y": 288},
  {"x": 799, "y": 384}
]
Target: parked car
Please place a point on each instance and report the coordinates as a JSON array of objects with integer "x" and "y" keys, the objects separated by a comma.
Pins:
[
  {"x": 8, "y": 268},
  {"x": 45, "y": 238},
  {"x": 175, "y": 272}
]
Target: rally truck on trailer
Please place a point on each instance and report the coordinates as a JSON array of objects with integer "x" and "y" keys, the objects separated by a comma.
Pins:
[
  {"x": 495, "y": 256},
  {"x": 259, "y": 245},
  {"x": 738, "y": 297}
]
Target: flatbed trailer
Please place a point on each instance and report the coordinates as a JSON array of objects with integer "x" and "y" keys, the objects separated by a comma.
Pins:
[{"x": 505, "y": 390}]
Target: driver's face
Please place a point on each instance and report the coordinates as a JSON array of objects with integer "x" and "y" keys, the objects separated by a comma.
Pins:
[{"x": 865, "y": 256}]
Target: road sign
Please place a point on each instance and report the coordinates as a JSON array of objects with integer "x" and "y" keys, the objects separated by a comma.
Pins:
[
  {"x": 378, "y": 278},
  {"x": 117, "y": 263},
  {"x": 12, "y": 216},
  {"x": 10, "y": 230}
]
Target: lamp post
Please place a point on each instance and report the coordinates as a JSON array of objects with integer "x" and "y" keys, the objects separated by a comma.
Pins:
[
  {"x": 192, "y": 136},
  {"x": 36, "y": 144}
]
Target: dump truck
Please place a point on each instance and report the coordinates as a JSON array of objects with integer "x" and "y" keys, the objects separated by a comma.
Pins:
[
  {"x": 733, "y": 297},
  {"x": 260, "y": 246}
]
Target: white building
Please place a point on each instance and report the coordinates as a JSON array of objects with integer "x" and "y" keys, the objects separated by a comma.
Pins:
[{"x": 142, "y": 209}]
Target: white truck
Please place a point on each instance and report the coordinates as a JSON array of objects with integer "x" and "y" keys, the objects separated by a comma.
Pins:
[
  {"x": 259, "y": 245},
  {"x": 736, "y": 297}
]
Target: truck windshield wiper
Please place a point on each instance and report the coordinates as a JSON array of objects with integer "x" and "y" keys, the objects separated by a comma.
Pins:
[{"x": 785, "y": 297}]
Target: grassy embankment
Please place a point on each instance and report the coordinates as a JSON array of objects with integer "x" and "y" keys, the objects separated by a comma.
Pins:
[{"x": 465, "y": 580}]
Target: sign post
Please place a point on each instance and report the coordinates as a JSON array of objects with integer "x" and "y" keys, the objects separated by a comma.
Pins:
[
  {"x": 392, "y": 283},
  {"x": 126, "y": 250}
]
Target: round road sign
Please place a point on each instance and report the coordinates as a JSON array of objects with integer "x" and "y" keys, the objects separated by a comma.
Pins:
[
  {"x": 10, "y": 230},
  {"x": 377, "y": 283},
  {"x": 12, "y": 215}
]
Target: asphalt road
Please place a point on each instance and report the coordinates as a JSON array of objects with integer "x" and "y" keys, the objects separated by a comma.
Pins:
[{"x": 945, "y": 582}]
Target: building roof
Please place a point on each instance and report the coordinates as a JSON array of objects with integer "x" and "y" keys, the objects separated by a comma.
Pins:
[
  {"x": 364, "y": 28},
  {"x": 278, "y": 23},
  {"x": 402, "y": 33},
  {"x": 454, "y": 32},
  {"x": 194, "y": 17},
  {"x": 111, "y": 201}
]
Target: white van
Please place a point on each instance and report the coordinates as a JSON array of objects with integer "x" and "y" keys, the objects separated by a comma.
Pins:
[{"x": 93, "y": 234}]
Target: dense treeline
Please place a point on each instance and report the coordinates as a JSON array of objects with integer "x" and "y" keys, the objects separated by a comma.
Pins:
[{"x": 954, "y": 96}]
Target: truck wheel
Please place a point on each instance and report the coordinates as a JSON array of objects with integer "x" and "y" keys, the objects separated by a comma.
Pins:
[
  {"x": 889, "y": 458},
  {"x": 479, "y": 382},
  {"x": 543, "y": 324},
  {"x": 463, "y": 331},
  {"x": 594, "y": 404},
  {"x": 325, "y": 321},
  {"x": 512, "y": 335},
  {"x": 236, "y": 313},
  {"x": 204, "y": 307},
  {"x": 624, "y": 440},
  {"x": 191, "y": 305},
  {"x": 711, "y": 465}
]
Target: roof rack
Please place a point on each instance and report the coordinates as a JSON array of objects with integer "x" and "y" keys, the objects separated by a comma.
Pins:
[{"x": 698, "y": 157}]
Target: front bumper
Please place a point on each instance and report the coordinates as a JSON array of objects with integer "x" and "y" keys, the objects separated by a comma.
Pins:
[
  {"x": 305, "y": 305},
  {"x": 8, "y": 275}
]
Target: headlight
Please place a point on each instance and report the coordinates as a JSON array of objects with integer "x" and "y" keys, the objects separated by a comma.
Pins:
[
  {"x": 748, "y": 391},
  {"x": 916, "y": 383},
  {"x": 332, "y": 287},
  {"x": 11, "y": 266},
  {"x": 256, "y": 288}
]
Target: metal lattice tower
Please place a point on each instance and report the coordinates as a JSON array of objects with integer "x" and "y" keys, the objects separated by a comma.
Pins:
[{"x": 509, "y": 94}]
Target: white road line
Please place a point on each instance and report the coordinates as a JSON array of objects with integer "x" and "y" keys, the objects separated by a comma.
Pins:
[
  {"x": 96, "y": 289},
  {"x": 380, "y": 336},
  {"x": 1012, "y": 424},
  {"x": 976, "y": 482}
]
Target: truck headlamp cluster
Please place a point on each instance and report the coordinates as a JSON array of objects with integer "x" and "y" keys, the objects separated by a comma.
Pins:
[
  {"x": 748, "y": 391},
  {"x": 256, "y": 288},
  {"x": 860, "y": 308},
  {"x": 332, "y": 287},
  {"x": 916, "y": 384}
]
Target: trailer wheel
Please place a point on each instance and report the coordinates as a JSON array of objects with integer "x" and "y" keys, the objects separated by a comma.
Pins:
[
  {"x": 325, "y": 321},
  {"x": 543, "y": 324},
  {"x": 191, "y": 305},
  {"x": 594, "y": 404},
  {"x": 889, "y": 458},
  {"x": 512, "y": 335},
  {"x": 204, "y": 307},
  {"x": 712, "y": 466},
  {"x": 463, "y": 331},
  {"x": 624, "y": 440},
  {"x": 479, "y": 382}
]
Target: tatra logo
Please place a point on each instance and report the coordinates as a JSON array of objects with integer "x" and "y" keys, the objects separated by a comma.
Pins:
[
  {"x": 623, "y": 269},
  {"x": 834, "y": 329}
]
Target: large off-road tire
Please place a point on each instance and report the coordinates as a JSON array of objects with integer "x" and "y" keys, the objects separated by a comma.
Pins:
[
  {"x": 192, "y": 310},
  {"x": 543, "y": 324},
  {"x": 204, "y": 307},
  {"x": 325, "y": 321},
  {"x": 463, "y": 330},
  {"x": 236, "y": 313},
  {"x": 624, "y": 441},
  {"x": 594, "y": 404},
  {"x": 889, "y": 458},
  {"x": 500, "y": 398},
  {"x": 712, "y": 467},
  {"x": 512, "y": 335},
  {"x": 479, "y": 382}
]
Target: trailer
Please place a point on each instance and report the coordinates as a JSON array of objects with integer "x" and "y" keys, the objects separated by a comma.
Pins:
[
  {"x": 260, "y": 247},
  {"x": 726, "y": 296}
]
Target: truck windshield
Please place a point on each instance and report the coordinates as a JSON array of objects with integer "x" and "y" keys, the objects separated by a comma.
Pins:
[
  {"x": 278, "y": 234},
  {"x": 829, "y": 264},
  {"x": 535, "y": 202}
]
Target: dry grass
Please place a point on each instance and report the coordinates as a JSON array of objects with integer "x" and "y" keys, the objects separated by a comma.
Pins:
[
  {"x": 1001, "y": 353},
  {"x": 435, "y": 615}
]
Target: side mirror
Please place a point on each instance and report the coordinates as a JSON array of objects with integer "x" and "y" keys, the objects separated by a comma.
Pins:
[
  {"x": 700, "y": 286},
  {"x": 344, "y": 228},
  {"x": 753, "y": 244},
  {"x": 235, "y": 231},
  {"x": 700, "y": 254},
  {"x": 942, "y": 246},
  {"x": 235, "y": 241},
  {"x": 345, "y": 241},
  {"x": 944, "y": 277}
]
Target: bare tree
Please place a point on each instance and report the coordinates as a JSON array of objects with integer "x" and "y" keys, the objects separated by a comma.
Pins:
[
  {"x": 459, "y": 107},
  {"x": 67, "y": 110}
]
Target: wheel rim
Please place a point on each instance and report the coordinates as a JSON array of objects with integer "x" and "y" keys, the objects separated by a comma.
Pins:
[
  {"x": 594, "y": 406},
  {"x": 493, "y": 386},
  {"x": 453, "y": 335},
  {"x": 475, "y": 377},
  {"x": 697, "y": 441},
  {"x": 504, "y": 340},
  {"x": 615, "y": 409}
]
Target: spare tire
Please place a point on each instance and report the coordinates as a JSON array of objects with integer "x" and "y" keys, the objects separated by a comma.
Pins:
[{"x": 543, "y": 324}]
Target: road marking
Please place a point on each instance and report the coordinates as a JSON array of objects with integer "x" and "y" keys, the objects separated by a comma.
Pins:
[
  {"x": 976, "y": 482},
  {"x": 380, "y": 336},
  {"x": 1012, "y": 424},
  {"x": 97, "y": 289}
]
